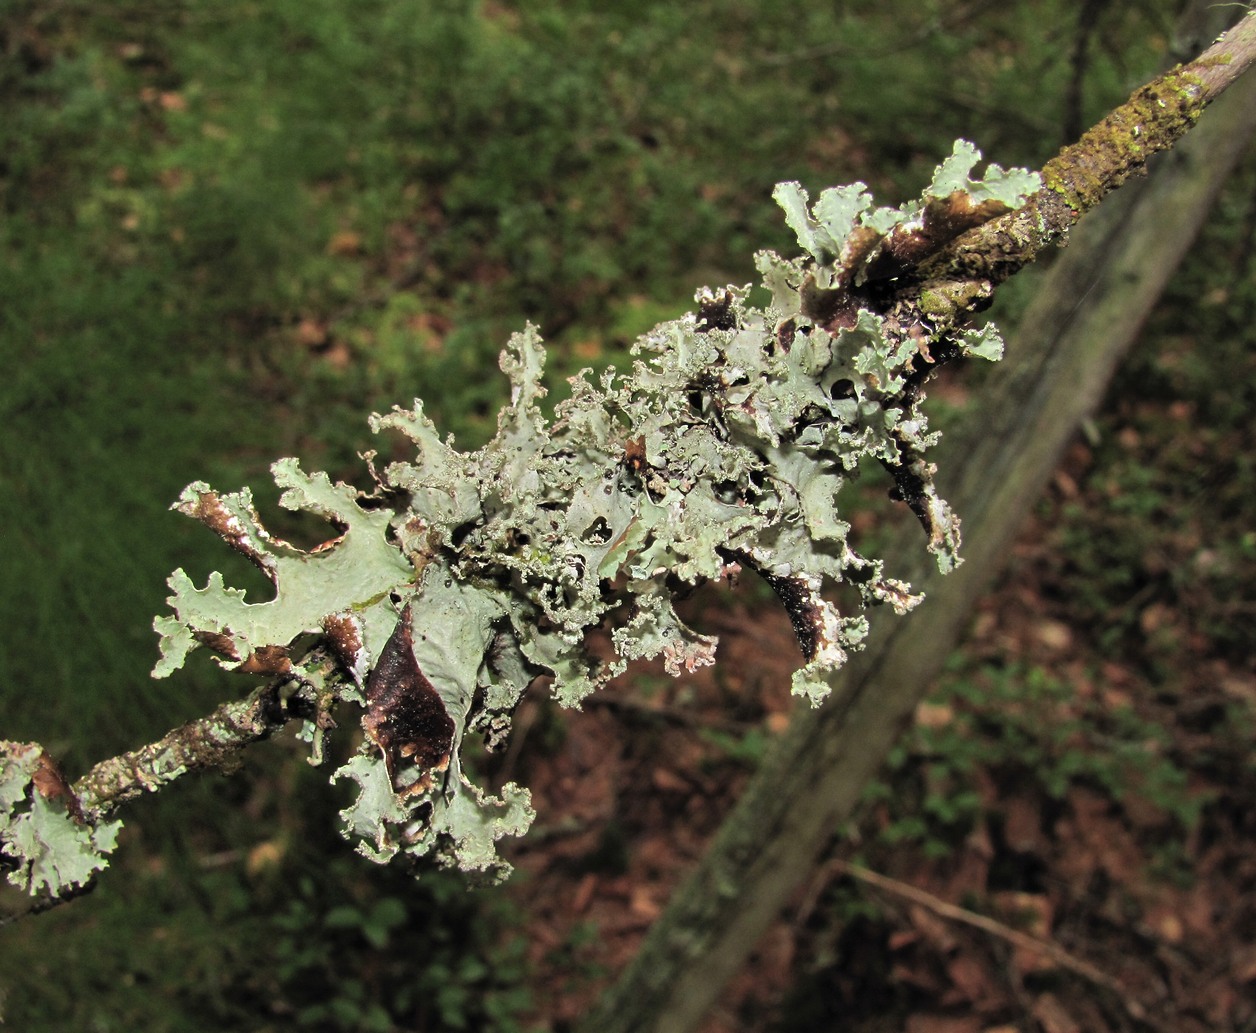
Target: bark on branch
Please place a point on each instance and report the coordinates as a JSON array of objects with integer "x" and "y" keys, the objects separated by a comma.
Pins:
[
  {"x": 209, "y": 743},
  {"x": 1077, "y": 179}
]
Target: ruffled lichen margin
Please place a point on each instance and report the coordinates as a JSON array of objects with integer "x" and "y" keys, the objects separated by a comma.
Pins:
[{"x": 459, "y": 578}]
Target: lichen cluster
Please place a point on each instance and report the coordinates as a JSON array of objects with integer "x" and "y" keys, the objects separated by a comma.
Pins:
[{"x": 459, "y": 578}]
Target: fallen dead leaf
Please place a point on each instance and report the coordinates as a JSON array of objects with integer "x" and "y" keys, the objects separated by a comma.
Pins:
[
  {"x": 643, "y": 904},
  {"x": 1155, "y": 617},
  {"x": 1165, "y": 924},
  {"x": 936, "y": 932},
  {"x": 265, "y": 856},
  {"x": 1054, "y": 635},
  {"x": 1066, "y": 485},
  {"x": 918, "y": 976},
  {"x": 1245, "y": 965},
  {"x": 311, "y": 333},
  {"x": 901, "y": 938},
  {"x": 344, "y": 243},
  {"x": 1022, "y": 825},
  {"x": 934, "y": 715},
  {"x": 584, "y": 893},
  {"x": 971, "y": 983},
  {"x": 1053, "y": 1016},
  {"x": 1030, "y": 913},
  {"x": 667, "y": 781},
  {"x": 1220, "y": 999}
]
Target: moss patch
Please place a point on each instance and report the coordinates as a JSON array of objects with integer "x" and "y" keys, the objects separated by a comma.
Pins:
[{"x": 1152, "y": 119}]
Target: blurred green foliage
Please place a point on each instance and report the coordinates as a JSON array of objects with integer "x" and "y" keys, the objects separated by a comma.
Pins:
[
  {"x": 1028, "y": 728},
  {"x": 229, "y": 231}
]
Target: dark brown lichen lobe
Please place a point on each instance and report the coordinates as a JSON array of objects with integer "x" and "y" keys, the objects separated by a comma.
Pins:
[{"x": 405, "y": 715}]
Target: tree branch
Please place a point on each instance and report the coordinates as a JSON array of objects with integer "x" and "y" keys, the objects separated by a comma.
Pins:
[
  {"x": 208, "y": 743},
  {"x": 1155, "y": 117}
]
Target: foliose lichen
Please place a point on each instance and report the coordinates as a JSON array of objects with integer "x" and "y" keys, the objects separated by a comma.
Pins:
[
  {"x": 460, "y": 577},
  {"x": 46, "y": 845}
]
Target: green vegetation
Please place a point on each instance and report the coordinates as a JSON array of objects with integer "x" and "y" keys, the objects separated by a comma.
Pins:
[
  {"x": 1028, "y": 728},
  {"x": 282, "y": 933},
  {"x": 228, "y": 232}
]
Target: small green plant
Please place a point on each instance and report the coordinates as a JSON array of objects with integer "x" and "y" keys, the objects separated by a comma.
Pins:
[
  {"x": 1023, "y": 723},
  {"x": 745, "y": 748},
  {"x": 463, "y": 981}
]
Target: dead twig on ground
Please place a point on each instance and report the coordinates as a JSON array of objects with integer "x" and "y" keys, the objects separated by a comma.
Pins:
[{"x": 1016, "y": 937}]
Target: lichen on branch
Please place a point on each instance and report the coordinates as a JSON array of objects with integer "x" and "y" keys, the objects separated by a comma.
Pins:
[
  {"x": 459, "y": 578},
  {"x": 1077, "y": 179}
]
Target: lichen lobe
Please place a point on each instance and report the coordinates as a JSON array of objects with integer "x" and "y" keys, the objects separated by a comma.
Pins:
[{"x": 405, "y": 716}]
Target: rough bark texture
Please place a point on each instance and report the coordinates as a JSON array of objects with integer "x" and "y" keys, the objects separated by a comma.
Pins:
[
  {"x": 1077, "y": 179},
  {"x": 1055, "y": 375},
  {"x": 208, "y": 743}
]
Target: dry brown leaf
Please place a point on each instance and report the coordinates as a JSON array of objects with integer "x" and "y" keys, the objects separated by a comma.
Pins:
[
  {"x": 1031, "y": 913},
  {"x": 971, "y": 982},
  {"x": 584, "y": 893},
  {"x": 936, "y": 932},
  {"x": 344, "y": 243},
  {"x": 918, "y": 976},
  {"x": 311, "y": 333},
  {"x": 667, "y": 781},
  {"x": 1245, "y": 965},
  {"x": 1053, "y": 635},
  {"x": 1053, "y": 1016},
  {"x": 1022, "y": 825},
  {"x": 934, "y": 715},
  {"x": 643, "y": 904}
]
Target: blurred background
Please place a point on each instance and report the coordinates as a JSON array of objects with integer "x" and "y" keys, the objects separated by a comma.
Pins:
[{"x": 230, "y": 231}]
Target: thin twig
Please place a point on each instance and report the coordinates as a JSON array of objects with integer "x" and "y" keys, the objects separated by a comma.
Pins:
[
  {"x": 1025, "y": 941},
  {"x": 208, "y": 743}
]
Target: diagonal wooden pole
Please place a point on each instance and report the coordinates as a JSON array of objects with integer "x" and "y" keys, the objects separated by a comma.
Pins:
[{"x": 1088, "y": 313}]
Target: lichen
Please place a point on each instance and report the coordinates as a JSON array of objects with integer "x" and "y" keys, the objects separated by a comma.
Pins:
[
  {"x": 47, "y": 846},
  {"x": 461, "y": 577}
]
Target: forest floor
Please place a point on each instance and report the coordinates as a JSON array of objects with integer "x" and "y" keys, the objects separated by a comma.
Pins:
[{"x": 1081, "y": 780}]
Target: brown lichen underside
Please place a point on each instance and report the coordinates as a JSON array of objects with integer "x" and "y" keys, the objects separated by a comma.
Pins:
[
  {"x": 799, "y": 602},
  {"x": 263, "y": 660},
  {"x": 211, "y": 511},
  {"x": 344, "y": 635},
  {"x": 405, "y": 716}
]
